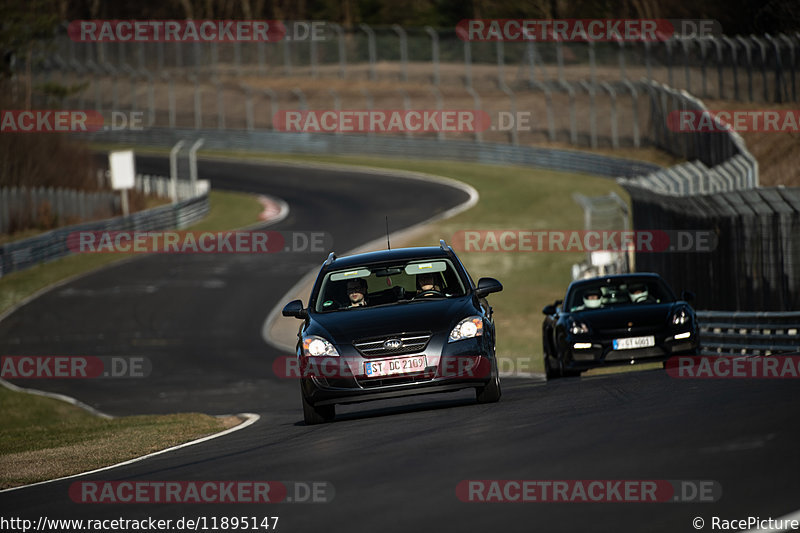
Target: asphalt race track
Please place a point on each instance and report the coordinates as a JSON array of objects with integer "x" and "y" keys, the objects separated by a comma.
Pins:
[{"x": 393, "y": 465}]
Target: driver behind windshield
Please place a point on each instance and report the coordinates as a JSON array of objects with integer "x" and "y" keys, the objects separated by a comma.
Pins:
[{"x": 426, "y": 283}]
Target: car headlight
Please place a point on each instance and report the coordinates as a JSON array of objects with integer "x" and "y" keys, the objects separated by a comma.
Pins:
[
  {"x": 470, "y": 327},
  {"x": 680, "y": 317},
  {"x": 576, "y": 328},
  {"x": 315, "y": 346}
]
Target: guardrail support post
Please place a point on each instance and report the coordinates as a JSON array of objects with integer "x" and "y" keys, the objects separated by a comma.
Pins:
[
  {"x": 173, "y": 171},
  {"x": 193, "y": 164}
]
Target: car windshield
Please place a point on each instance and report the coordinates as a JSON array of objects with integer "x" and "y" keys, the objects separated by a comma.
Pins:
[
  {"x": 606, "y": 293},
  {"x": 388, "y": 284}
]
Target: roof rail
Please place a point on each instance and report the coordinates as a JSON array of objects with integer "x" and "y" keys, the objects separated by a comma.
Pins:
[
  {"x": 442, "y": 245},
  {"x": 331, "y": 258}
]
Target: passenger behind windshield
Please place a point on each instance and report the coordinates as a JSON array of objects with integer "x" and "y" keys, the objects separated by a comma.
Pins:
[{"x": 357, "y": 292}]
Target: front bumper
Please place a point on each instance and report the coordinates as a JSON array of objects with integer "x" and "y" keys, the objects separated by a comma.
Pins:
[
  {"x": 463, "y": 364},
  {"x": 602, "y": 353}
]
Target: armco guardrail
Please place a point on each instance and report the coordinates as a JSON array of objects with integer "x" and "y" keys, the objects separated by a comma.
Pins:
[
  {"x": 53, "y": 244},
  {"x": 740, "y": 333},
  {"x": 390, "y": 146}
]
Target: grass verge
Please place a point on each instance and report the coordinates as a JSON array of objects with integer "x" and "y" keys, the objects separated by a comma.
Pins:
[{"x": 42, "y": 438}]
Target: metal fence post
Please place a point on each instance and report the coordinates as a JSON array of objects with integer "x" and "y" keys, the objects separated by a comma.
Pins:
[
  {"x": 406, "y": 106},
  {"x": 248, "y": 107},
  {"x": 273, "y": 107},
  {"x": 501, "y": 76},
  {"x": 686, "y": 71},
  {"x": 220, "y": 105},
  {"x": 337, "y": 105},
  {"x": 779, "y": 98},
  {"x": 792, "y": 64},
  {"x": 434, "y": 53},
  {"x": 373, "y": 54},
  {"x": 301, "y": 97},
  {"x": 668, "y": 47},
  {"x": 170, "y": 98},
  {"x": 439, "y": 106},
  {"x": 313, "y": 57},
  {"x": 198, "y": 110},
  {"x": 763, "y": 49},
  {"x": 368, "y": 100},
  {"x": 748, "y": 56},
  {"x": 635, "y": 108},
  {"x": 467, "y": 63},
  {"x": 401, "y": 33},
  {"x": 340, "y": 45},
  {"x": 514, "y": 134},
  {"x": 592, "y": 112},
  {"x": 573, "y": 125},
  {"x": 551, "y": 122},
  {"x": 614, "y": 131},
  {"x": 477, "y": 102},
  {"x": 287, "y": 57},
  {"x": 151, "y": 99}
]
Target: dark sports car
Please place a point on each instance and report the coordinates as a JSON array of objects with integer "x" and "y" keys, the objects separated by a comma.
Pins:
[
  {"x": 394, "y": 323},
  {"x": 612, "y": 320}
]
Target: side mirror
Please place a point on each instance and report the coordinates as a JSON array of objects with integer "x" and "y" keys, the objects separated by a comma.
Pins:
[
  {"x": 549, "y": 309},
  {"x": 295, "y": 309},
  {"x": 687, "y": 296},
  {"x": 487, "y": 286}
]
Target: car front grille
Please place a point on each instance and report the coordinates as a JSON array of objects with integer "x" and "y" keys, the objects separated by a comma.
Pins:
[{"x": 375, "y": 347}]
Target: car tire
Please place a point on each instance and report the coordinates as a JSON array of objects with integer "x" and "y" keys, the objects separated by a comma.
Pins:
[
  {"x": 549, "y": 373},
  {"x": 313, "y": 414},
  {"x": 491, "y": 392},
  {"x": 564, "y": 373}
]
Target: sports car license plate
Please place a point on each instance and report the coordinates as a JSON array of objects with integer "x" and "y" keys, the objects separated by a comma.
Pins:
[
  {"x": 394, "y": 367},
  {"x": 634, "y": 342}
]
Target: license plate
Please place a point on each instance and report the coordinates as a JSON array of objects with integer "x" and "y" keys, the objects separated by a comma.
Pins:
[
  {"x": 634, "y": 342},
  {"x": 394, "y": 367}
]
